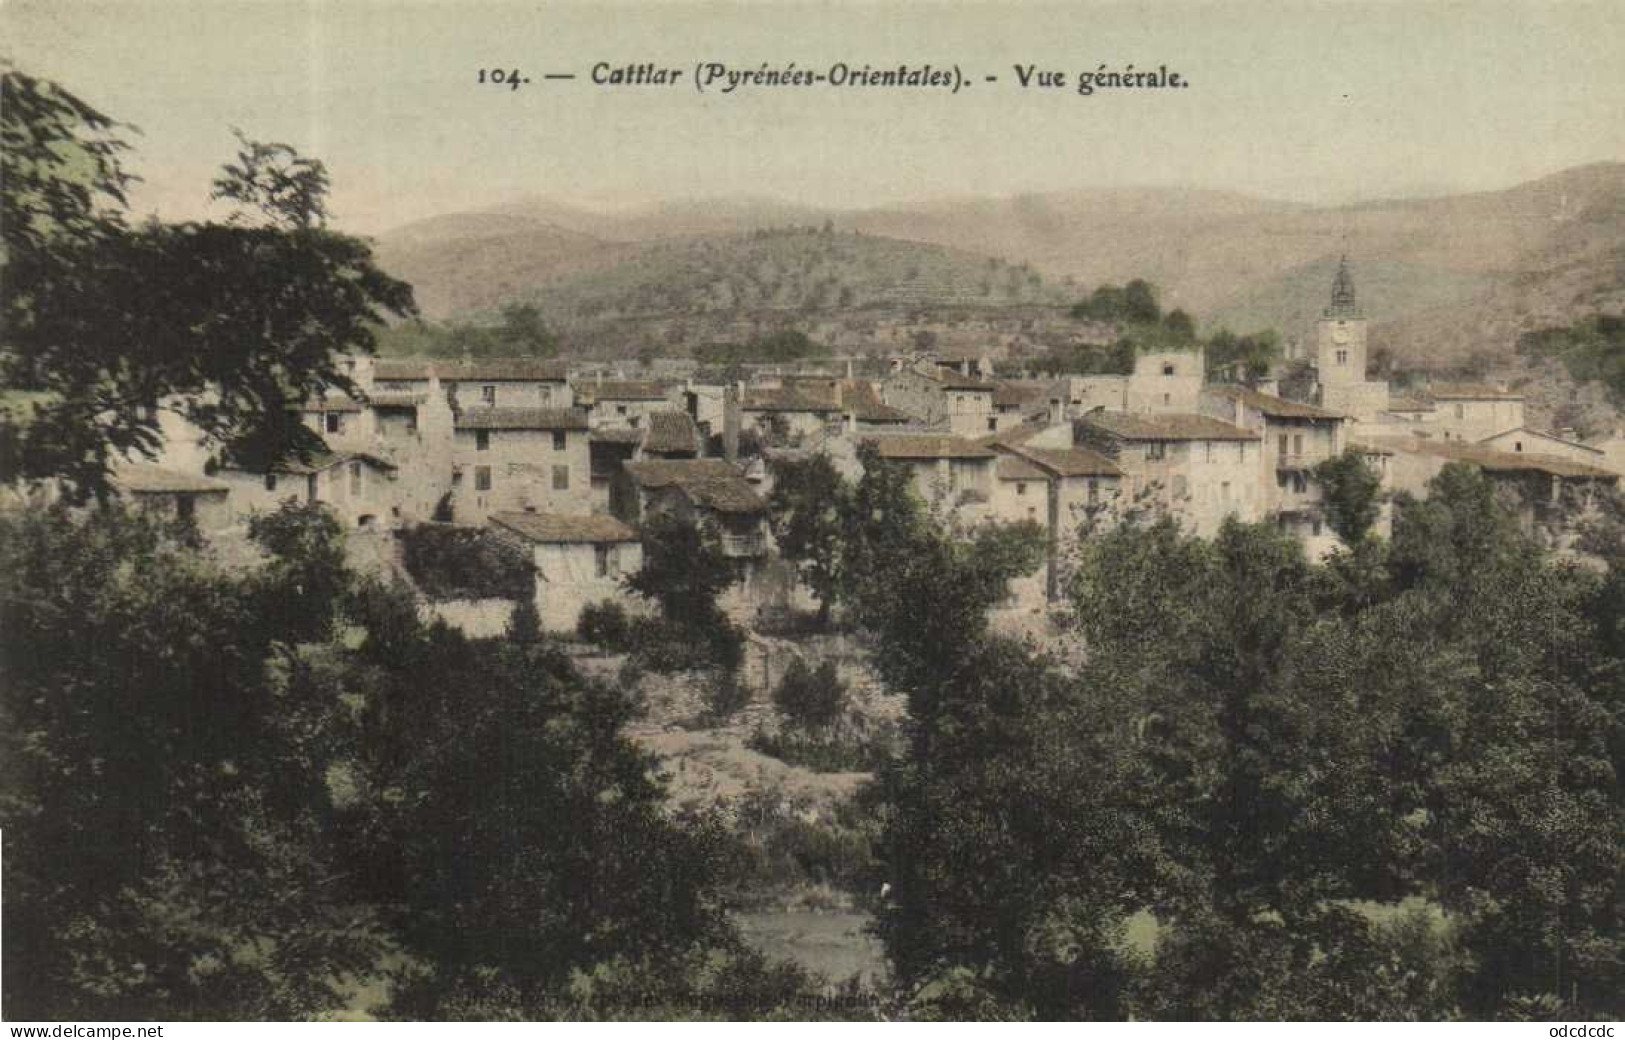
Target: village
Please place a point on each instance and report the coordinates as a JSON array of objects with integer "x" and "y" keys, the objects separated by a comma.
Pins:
[{"x": 567, "y": 464}]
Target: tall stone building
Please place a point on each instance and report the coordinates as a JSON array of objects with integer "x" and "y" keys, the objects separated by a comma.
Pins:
[{"x": 1340, "y": 355}]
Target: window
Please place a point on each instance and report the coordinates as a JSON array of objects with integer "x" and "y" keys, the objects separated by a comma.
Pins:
[
  {"x": 1094, "y": 491},
  {"x": 1021, "y": 487},
  {"x": 456, "y": 478},
  {"x": 1281, "y": 445},
  {"x": 1167, "y": 370},
  {"x": 1342, "y": 357},
  {"x": 620, "y": 409},
  {"x": 558, "y": 440},
  {"x": 1517, "y": 445},
  {"x": 488, "y": 394},
  {"x": 1297, "y": 444},
  {"x": 482, "y": 440},
  {"x": 1032, "y": 513},
  {"x": 310, "y": 487},
  {"x": 1461, "y": 411},
  {"x": 605, "y": 561},
  {"x": 993, "y": 426},
  {"x": 355, "y": 480},
  {"x": 482, "y": 478},
  {"x": 1224, "y": 491},
  {"x": 561, "y": 478},
  {"x": 1156, "y": 450},
  {"x": 185, "y": 507},
  {"x": 1208, "y": 455},
  {"x": 270, "y": 482},
  {"x": 1241, "y": 451},
  {"x": 1281, "y": 479},
  {"x": 335, "y": 422},
  {"x": 1167, "y": 398}
]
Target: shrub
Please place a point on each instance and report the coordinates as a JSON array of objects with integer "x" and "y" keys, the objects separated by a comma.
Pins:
[
  {"x": 450, "y": 562},
  {"x": 605, "y": 625},
  {"x": 810, "y": 699}
]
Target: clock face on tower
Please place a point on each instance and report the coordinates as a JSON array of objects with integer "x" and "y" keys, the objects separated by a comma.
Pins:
[{"x": 1340, "y": 335}]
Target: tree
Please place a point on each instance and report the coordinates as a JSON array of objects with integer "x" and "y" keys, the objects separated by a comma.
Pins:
[
  {"x": 685, "y": 571},
  {"x": 524, "y": 332},
  {"x": 811, "y": 699},
  {"x": 1352, "y": 493},
  {"x": 807, "y": 509},
  {"x": 163, "y": 794},
  {"x": 108, "y": 325}
]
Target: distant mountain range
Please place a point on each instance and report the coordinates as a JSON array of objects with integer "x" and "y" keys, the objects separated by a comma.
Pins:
[{"x": 1441, "y": 277}]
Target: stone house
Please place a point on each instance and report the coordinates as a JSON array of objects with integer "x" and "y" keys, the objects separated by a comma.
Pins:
[
  {"x": 1541, "y": 488},
  {"x": 784, "y": 416},
  {"x": 518, "y": 460},
  {"x": 361, "y": 489},
  {"x": 705, "y": 491},
  {"x": 1537, "y": 442},
  {"x": 1472, "y": 412},
  {"x": 580, "y": 560},
  {"x": 944, "y": 398},
  {"x": 1165, "y": 381},
  {"x": 175, "y": 495},
  {"x": 623, "y": 403},
  {"x": 1297, "y": 437},
  {"x": 492, "y": 382},
  {"x": 1199, "y": 468},
  {"x": 955, "y": 476}
]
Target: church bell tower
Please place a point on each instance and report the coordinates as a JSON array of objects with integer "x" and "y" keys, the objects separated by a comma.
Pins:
[{"x": 1340, "y": 335}]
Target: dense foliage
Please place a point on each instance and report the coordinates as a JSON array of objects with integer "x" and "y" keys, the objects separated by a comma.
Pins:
[
  {"x": 225, "y": 795},
  {"x": 1258, "y": 760},
  {"x": 1589, "y": 349},
  {"x": 451, "y": 562},
  {"x": 108, "y": 325}
]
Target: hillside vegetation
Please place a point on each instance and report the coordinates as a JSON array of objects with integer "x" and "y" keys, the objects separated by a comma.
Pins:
[{"x": 1441, "y": 278}]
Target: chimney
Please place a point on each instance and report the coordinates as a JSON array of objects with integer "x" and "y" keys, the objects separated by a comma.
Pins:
[
  {"x": 730, "y": 422},
  {"x": 851, "y": 423},
  {"x": 1055, "y": 411},
  {"x": 849, "y": 368}
]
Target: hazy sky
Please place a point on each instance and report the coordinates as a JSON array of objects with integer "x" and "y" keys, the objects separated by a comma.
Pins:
[{"x": 1318, "y": 102}]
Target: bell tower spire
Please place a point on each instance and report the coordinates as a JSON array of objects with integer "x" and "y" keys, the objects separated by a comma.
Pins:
[{"x": 1343, "y": 302}]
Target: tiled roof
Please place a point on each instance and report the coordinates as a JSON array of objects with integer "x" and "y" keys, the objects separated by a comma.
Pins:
[
  {"x": 505, "y": 370},
  {"x": 315, "y": 462},
  {"x": 1169, "y": 427},
  {"x": 1546, "y": 435},
  {"x": 1494, "y": 461},
  {"x": 522, "y": 419},
  {"x": 1072, "y": 462},
  {"x": 617, "y": 435},
  {"x": 930, "y": 446},
  {"x": 803, "y": 398},
  {"x": 1272, "y": 406},
  {"x": 154, "y": 480},
  {"x": 395, "y": 399},
  {"x": 333, "y": 403},
  {"x": 671, "y": 431},
  {"x": 588, "y": 391},
  {"x": 1015, "y": 395},
  {"x": 1014, "y": 467},
  {"x": 953, "y": 379},
  {"x": 472, "y": 370},
  {"x": 708, "y": 482},
  {"x": 556, "y": 528},
  {"x": 1470, "y": 392},
  {"x": 402, "y": 370}
]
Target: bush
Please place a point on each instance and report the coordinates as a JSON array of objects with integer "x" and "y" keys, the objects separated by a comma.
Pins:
[
  {"x": 810, "y": 699},
  {"x": 831, "y": 752},
  {"x": 449, "y": 562},
  {"x": 605, "y": 625}
]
